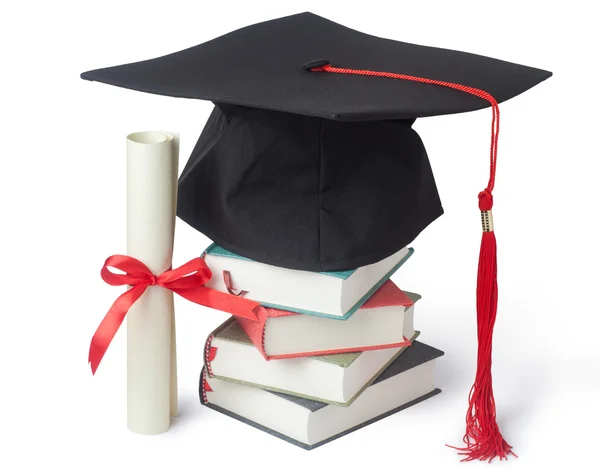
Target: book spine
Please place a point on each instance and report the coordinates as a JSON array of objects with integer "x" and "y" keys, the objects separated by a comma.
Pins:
[
  {"x": 209, "y": 351},
  {"x": 263, "y": 333},
  {"x": 204, "y": 387},
  {"x": 209, "y": 354}
]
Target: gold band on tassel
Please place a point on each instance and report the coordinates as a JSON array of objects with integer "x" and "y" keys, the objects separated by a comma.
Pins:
[{"x": 487, "y": 222}]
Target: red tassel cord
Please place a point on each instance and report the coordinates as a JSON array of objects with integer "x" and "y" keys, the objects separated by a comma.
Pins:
[{"x": 482, "y": 437}]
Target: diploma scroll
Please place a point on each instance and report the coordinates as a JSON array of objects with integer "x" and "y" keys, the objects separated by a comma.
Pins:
[{"x": 152, "y": 170}]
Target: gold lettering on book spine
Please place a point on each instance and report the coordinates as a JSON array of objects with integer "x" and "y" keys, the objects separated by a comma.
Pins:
[{"x": 487, "y": 222}]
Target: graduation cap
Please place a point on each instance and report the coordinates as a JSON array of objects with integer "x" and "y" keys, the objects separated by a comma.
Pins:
[{"x": 309, "y": 160}]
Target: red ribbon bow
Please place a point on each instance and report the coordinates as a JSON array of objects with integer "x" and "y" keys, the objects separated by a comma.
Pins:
[{"x": 187, "y": 281}]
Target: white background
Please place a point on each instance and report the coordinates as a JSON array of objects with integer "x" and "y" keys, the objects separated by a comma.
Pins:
[{"x": 63, "y": 212}]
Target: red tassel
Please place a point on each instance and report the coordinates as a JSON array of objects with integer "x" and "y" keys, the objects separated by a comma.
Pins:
[{"x": 483, "y": 438}]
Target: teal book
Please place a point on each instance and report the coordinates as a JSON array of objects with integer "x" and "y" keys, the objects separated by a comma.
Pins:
[{"x": 328, "y": 294}]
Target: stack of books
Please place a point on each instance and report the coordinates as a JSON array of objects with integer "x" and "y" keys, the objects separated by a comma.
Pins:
[{"x": 331, "y": 352}]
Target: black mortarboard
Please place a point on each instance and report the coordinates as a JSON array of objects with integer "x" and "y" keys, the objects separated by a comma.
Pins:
[
  {"x": 323, "y": 172},
  {"x": 311, "y": 171}
]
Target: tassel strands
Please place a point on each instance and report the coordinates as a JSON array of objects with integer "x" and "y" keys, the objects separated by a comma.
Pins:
[{"x": 483, "y": 438}]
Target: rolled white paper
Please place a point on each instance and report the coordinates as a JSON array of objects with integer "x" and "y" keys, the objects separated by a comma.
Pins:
[{"x": 152, "y": 168}]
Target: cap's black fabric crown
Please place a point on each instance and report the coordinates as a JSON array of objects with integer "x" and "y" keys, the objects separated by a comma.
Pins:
[{"x": 305, "y": 192}]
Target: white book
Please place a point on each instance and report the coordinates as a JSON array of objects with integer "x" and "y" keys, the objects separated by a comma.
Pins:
[
  {"x": 308, "y": 424},
  {"x": 334, "y": 379},
  {"x": 328, "y": 294}
]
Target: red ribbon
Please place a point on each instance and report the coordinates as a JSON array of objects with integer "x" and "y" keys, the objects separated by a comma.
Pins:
[{"x": 187, "y": 281}]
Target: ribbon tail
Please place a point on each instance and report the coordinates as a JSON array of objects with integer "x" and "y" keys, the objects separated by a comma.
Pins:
[
  {"x": 110, "y": 325},
  {"x": 214, "y": 299}
]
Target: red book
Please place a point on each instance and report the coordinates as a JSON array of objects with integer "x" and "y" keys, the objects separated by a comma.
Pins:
[{"x": 385, "y": 320}]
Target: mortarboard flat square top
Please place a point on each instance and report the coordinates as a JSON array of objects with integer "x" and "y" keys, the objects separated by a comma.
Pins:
[
  {"x": 306, "y": 170},
  {"x": 261, "y": 66}
]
